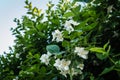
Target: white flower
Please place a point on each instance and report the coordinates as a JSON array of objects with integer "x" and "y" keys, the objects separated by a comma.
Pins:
[
  {"x": 73, "y": 22},
  {"x": 1, "y": 61},
  {"x": 73, "y": 72},
  {"x": 57, "y": 35},
  {"x": 9, "y": 60},
  {"x": 12, "y": 56},
  {"x": 49, "y": 5},
  {"x": 58, "y": 64},
  {"x": 68, "y": 25},
  {"x": 17, "y": 55},
  {"x": 16, "y": 78},
  {"x": 63, "y": 66},
  {"x": 62, "y": 6},
  {"x": 81, "y": 66},
  {"x": 45, "y": 59},
  {"x": 48, "y": 53},
  {"x": 76, "y": 4},
  {"x": 64, "y": 72},
  {"x": 67, "y": 1},
  {"x": 81, "y": 52}
]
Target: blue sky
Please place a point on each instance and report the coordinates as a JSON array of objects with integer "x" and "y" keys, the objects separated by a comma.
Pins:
[{"x": 10, "y": 9}]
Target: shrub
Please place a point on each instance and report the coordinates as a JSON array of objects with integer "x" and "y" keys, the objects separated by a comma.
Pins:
[{"x": 71, "y": 41}]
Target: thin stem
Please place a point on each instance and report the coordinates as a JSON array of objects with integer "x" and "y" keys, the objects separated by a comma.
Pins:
[
  {"x": 111, "y": 60},
  {"x": 117, "y": 69},
  {"x": 71, "y": 77},
  {"x": 116, "y": 55}
]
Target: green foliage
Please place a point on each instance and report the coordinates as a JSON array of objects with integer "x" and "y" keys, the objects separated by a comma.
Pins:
[
  {"x": 68, "y": 14},
  {"x": 88, "y": 36},
  {"x": 106, "y": 70},
  {"x": 101, "y": 53}
]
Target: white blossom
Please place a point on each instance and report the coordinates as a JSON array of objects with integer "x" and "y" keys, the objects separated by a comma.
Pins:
[
  {"x": 45, "y": 59},
  {"x": 1, "y": 61},
  {"x": 64, "y": 72},
  {"x": 67, "y": 1},
  {"x": 73, "y": 72},
  {"x": 17, "y": 55},
  {"x": 9, "y": 60},
  {"x": 62, "y": 6},
  {"x": 73, "y": 22},
  {"x": 81, "y": 52},
  {"x": 48, "y": 53},
  {"x": 49, "y": 5},
  {"x": 76, "y": 4},
  {"x": 63, "y": 66},
  {"x": 58, "y": 64},
  {"x": 16, "y": 78},
  {"x": 81, "y": 66},
  {"x": 12, "y": 56},
  {"x": 57, "y": 36},
  {"x": 68, "y": 25}
]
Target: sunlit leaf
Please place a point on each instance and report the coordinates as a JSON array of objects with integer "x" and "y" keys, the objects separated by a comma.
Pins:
[{"x": 98, "y": 50}]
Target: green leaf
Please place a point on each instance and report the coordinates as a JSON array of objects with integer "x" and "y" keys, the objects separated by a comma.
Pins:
[
  {"x": 108, "y": 50},
  {"x": 53, "y": 48},
  {"x": 65, "y": 34},
  {"x": 98, "y": 50},
  {"x": 75, "y": 34},
  {"x": 27, "y": 22},
  {"x": 102, "y": 56},
  {"x": 106, "y": 45},
  {"x": 55, "y": 21},
  {"x": 117, "y": 65},
  {"x": 82, "y": 24},
  {"x": 106, "y": 70},
  {"x": 43, "y": 69},
  {"x": 89, "y": 27},
  {"x": 86, "y": 1},
  {"x": 76, "y": 10},
  {"x": 40, "y": 27},
  {"x": 65, "y": 43},
  {"x": 68, "y": 14},
  {"x": 92, "y": 77},
  {"x": 37, "y": 56}
]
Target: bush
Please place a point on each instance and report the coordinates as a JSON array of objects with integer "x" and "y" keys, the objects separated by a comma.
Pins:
[{"x": 71, "y": 41}]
